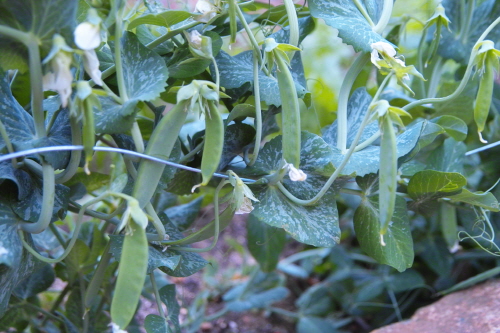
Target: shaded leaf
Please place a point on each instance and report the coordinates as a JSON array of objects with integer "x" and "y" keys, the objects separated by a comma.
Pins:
[
  {"x": 37, "y": 282},
  {"x": 182, "y": 216},
  {"x": 166, "y": 19},
  {"x": 168, "y": 296},
  {"x": 155, "y": 324},
  {"x": 398, "y": 249},
  {"x": 449, "y": 157},
  {"x": 265, "y": 243},
  {"x": 485, "y": 200}
]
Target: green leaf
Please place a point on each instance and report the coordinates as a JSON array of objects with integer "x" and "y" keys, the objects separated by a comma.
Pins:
[
  {"x": 265, "y": 243},
  {"x": 353, "y": 27},
  {"x": 182, "y": 216},
  {"x": 155, "y": 324},
  {"x": 449, "y": 157},
  {"x": 456, "y": 45},
  {"x": 168, "y": 296},
  {"x": 258, "y": 300},
  {"x": 144, "y": 71},
  {"x": 75, "y": 259},
  {"x": 315, "y": 301},
  {"x": 315, "y": 225},
  {"x": 165, "y": 19},
  {"x": 485, "y": 200},
  {"x": 17, "y": 263},
  {"x": 42, "y": 18},
  {"x": 114, "y": 118},
  {"x": 315, "y": 324},
  {"x": 462, "y": 106},
  {"x": 74, "y": 307},
  {"x": 398, "y": 249},
  {"x": 454, "y": 127},
  {"x": 14, "y": 317},
  {"x": 39, "y": 281},
  {"x": 472, "y": 281},
  {"x": 156, "y": 257},
  {"x": 190, "y": 262},
  {"x": 448, "y": 223},
  {"x": 430, "y": 185},
  {"x": 236, "y": 137}
]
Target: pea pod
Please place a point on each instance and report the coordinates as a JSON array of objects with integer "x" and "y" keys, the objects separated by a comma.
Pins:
[
  {"x": 448, "y": 219},
  {"x": 387, "y": 173},
  {"x": 160, "y": 145},
  {"x": 88, "y": 132},
  {"x": 131, "y": 276},
  {"x": 290, "y": 112},
  {"x": 484, "y": 94},
  {"x": 214, "y": 142}
]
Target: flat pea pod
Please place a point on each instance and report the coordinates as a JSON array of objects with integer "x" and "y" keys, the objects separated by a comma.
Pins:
[
  {"x": 160, "y": 145},
  {"x": 131, "y": 276},
  {"x": 484, "y": 94},
  {"x": 387, "y": 173},
  {"x": 214, "y": 142},
  {"x": 290, "y": 113},
  {"x": 88, "y": 131}
]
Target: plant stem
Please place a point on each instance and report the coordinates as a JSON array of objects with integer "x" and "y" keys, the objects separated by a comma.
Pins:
[
  {"x": 57, "y": 234},
  {"x": 345, "y": 90},
  {"x": 36, "y": 87},
  {"x": 157, "y": 294},
  {"x": 334, "y": 176},
  {"x": 363, "y": 11},
  {"x": 48, "y": 193},
  {"x": 258, "y": 111},
  {"x": 216, "y": 224},
  {"x": 293, "y": 23},
  {"x": 137, "y": 137},
  {"x": 76, "y": 156},
  {"x": 435, "y": 77},
  {"x": 384, "y": 17}
]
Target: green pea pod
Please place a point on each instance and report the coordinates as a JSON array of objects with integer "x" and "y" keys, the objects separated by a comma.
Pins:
[
  {"x": 160, "y": 145},
  {"x": 387, "y": 173},
  {"x": 448, "y": 219},
  {"x": 88, "y": 131},
  {"x": 131, "y": 276},
  {"x": 290, "y": 112},
  {"x": 484, "y": 94},
  {"x": 214, "y": 142}
]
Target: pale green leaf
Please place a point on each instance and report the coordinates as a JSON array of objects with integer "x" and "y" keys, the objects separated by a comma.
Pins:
[
  {"x": 165, "y": 19},
  {"x": 485, "y": 200}
]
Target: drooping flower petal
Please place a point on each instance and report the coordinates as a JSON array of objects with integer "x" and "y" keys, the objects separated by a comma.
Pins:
[
  {"x": 60, "y": 78},
  {"x": 91, "y": 65},
  {"x": 296, "y": 175},
  {"x": 207, "y": 9},
  {"x": 246, "y": 206}
]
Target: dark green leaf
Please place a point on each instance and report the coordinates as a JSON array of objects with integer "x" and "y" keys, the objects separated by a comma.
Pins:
[
  {"x": 458, "y": 43},
  {"x": 315, "y": 301},
  {"x": 17, "y": 318},
  {"x": 76, "y": 258},
  {"x": 265, "y": 243},
  {"x": 315, "y": 324},
  {"x": 40, "y": 280},
  {"x": 114, "y": 118},
  {"x": 155, "y": 324},
  {"x": 407, "y": 280},
  {"x": 454, "y": 127},
  {"x": 236, "y": 137},
  {"x": 156, "y": 257},
  {"x": 19, "y": 177},
  {"x": 168, "y": 296},
  {"x": 398, "y": 249},
  {"x": 448, "y": 223},
  {"x": 74, "y": 307},
  {"x": 344, "y": 16},
  {"x": 16, "y": 263},
  {"x": 183, "y": 216},
  {"x": 258, "y": 300},
  {"x": 144, "y": 71}
]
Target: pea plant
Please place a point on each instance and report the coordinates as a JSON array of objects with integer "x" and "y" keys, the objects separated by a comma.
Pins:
[{"x": 113, "y": 112}]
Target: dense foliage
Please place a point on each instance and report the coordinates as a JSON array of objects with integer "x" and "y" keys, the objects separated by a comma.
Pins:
[{"x": 120, "y": 119}]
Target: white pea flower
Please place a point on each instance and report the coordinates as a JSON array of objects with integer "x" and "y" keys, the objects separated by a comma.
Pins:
[
  {"x": 242, "y": 195},
  {"x": 116, "y": 329},
  {"x": 296, "y": 175},
  {"x": 246, "y": 206},
  {"x": 195, "y": 39},
  {"x": 382, "y": 48},
  {"x": 88, "y": 38},
  {"x": 207, "y": 9},
  {"x": 60, "y": 77}
]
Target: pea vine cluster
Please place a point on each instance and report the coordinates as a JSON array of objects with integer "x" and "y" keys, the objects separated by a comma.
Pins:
[{"x": 96, "y": 103}]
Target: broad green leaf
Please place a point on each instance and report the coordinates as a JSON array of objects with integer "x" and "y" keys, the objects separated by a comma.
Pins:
[
  {"x": 454, "y": 127},
  {"x": 407, "y": 280},
  {"x": 456, "y": 44},
  {"x": 265, "y": 243},
  {"x": 315, "y": 225},
  {"x": 236, "y": 138},
  {"x": 398, "y": 249},
  {"x": 19, "y": 177},
  {"x": 131, "y": 275},
  {"x": 39, "y": 281},
  {"x": 315, "y": 301},
  {"x": 14, "y": 317},
  {"x": 155, "y": 324},
  {"x": 276, "y": 14},
  {"x": 258, "y": 300},
  {"x": 166, "y": 19},
  {"x": 353, "y": 27},
  {"x": 449, "y": 157},
  {"x": 183, "y": 216},
  {"x": 430, "y": 185},
  {"x": 436, "y": 255},
  {"x": 42, "y": 18},
  {"x": 462, "y": 106},
  {"x": 356, "y": 111},
  {"x": 156, "y": 257},
  {"x": 74, "y": 307},
  {"x": 114, "y": 118},
  {"x": 17, "y": 263},
  {"x": 190, "y": 262},
  {"x": 144, "y": 71},
  {"x": 75, "y": 259},
  {"x": 168, "y": 296},
  {"x": 315, "y": 324},
  {"x": 485, "y": 200}
]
